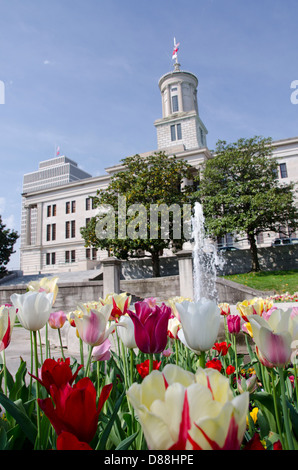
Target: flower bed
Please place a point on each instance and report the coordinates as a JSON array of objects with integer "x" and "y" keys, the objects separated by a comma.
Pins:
[{"x": 155, "y": 378}]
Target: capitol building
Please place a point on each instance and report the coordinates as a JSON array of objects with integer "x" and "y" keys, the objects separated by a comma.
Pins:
[{"x": 57, "y": 197}]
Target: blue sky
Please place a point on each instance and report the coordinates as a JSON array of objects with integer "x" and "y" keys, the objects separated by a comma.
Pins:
[{"x": 83, "y": 74}]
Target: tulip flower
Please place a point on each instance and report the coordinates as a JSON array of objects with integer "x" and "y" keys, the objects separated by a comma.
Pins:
[
  {"x": 224, "y": 309},
  {"x": 214, "y": 364},
  {"x": 33, "y": 308},
  {"x": 57, "y": 319},
  {"x": 143, "y": 368},
  {"x": 127, "y": 334},
  {"x": 172, "y": 303},
  {"x": 274, "y": 336},
  {"x": 103, "y": 351},
  {"x": 7, "y": 320},
  {"x": 200, "y": 323},
  {"x": 56, "y": 372},
  {"x": 222, "y": 348},
  {"x": 74, "y": 409},
  {"x": 120, "y": 303},
  {"x": 233, "y": 322},
  {"x": 92, "y": 324},
  {"x": 45, "y": 285},
  {"x": 179, "y": 410},
  {"x": 67, "y": 441},
  {"x": 247, "y": 385},
  {"x": 151, "y": 326},
  {"x": 255, "y": 306}
]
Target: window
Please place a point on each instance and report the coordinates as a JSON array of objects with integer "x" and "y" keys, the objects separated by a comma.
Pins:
[
  {"x": 73, "y": 206},
  {"x": 48, "y": 233},
  {"x": 73, "y": 228},
  {"x": 53, "y": 231},
  {"x": 49, "y": 211},
  {"x": 175, "y": 107},
  {"x": 88, "y": 203},
  {"x": 179, "y": 133},
  {"x": 176, "y": 132},
  {"x": 87, "y": 221},
  {"x": 283, "y": 170},
  {"x": 173, "y": 133},
  {"x": 70, "y": 229},
  {"x": 70, "y": 256},
  {"x": 50, "y": 258},
  {"x": 67, "y": 207},
  {"x": 54, "y": 210},
  {"x": 88, "y": 253},
  {"x": 67, "y": 229}
]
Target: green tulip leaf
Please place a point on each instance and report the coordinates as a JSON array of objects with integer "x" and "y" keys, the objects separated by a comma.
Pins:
[{"x": 21, "y": 418}]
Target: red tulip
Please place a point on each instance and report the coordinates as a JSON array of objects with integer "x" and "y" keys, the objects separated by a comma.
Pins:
[
  {"x": 75, "y": 408},
  {"x": 151, "y": 326},
  {"x": 143, "y": 368},
  {"x": 67, "y": 441},
  {"x": 214, "y": 364},
  {"x": 56, "y": 373},
  {"x": 222, "y": 348}
]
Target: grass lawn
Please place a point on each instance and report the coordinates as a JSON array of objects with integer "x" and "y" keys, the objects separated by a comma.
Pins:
[{"x": 279, "y": 281}]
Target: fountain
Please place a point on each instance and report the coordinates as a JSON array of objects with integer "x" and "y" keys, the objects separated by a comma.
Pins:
[{"x": 206, "y": 259}]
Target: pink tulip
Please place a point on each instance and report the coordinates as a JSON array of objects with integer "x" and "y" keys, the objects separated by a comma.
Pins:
[
  {"x": 102, "y": 352},
  {"x": 151, "y": 326},
  {"x": 233, "y": 322},
  {"x": 57, "y": 319}
]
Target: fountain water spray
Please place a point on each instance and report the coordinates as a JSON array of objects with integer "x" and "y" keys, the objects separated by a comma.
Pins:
[{"x": 206, "y": 259}]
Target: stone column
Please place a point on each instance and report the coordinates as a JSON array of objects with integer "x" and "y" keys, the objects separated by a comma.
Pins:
[
  {"x": 185, "y": 264},
  {"x": 111, "y": 275}
]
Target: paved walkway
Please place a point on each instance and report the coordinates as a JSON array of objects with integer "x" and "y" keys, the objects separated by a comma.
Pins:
[{"x": 20, "y": 346}]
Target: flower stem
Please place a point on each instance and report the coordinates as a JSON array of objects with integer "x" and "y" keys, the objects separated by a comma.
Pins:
[
  {"x": 89, "y": 361},
  {"x": 61, "y": 345},
  {"x": 202, "y": 359},
  {"x": 37, "y": 441},
  {"x": 285, "y": 409},
  {"x": 276, "y": 409},
  {"x": 5, "y": 372},
  {"x": 150, "y": 363}
]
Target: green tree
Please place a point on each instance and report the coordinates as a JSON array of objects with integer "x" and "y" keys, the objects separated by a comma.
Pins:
[
  {"x": 7, "y": 240},
  {"x": 145, "y": 185},
  {"x": 241, "y": 194}
]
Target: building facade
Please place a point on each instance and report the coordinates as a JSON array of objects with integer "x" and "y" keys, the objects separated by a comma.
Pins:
[{"x": 57, "y": 198}]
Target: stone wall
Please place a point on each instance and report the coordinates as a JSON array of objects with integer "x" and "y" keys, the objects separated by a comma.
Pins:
[
  {"x": 69, "y": 293},
  {"x": 284, "y": 257},
  {"x": 159, "y": 287}
]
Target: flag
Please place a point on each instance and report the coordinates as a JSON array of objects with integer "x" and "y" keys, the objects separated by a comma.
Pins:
[
  {"x": 58, "y": 151},
  {"x": 175, "y": 50}
]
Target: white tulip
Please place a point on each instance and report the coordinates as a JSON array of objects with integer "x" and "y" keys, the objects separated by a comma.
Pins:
[
  {"x": 33, "y": 308},
  {"x": 127, "y": 334},
  {"x": 200, "y": 323}
]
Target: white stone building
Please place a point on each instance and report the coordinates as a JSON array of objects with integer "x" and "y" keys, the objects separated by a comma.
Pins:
[{"x": 56, "y": 198}]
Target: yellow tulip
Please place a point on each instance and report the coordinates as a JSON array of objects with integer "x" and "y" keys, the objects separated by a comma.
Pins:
[
  {"x": 45, "y": 285},
  {"x": 179, "y": 410}
]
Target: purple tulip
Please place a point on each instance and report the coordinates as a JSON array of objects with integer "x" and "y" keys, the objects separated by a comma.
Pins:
[
  {"x": 233, "y": 322},
  {"x": 151, "y": 326}
]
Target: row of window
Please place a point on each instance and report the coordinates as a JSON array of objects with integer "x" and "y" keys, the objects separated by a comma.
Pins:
[
  {"x": 70, "y": 256},
  {"x": 70, "y": 207},
  {"x": 70, "y": 229}
]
